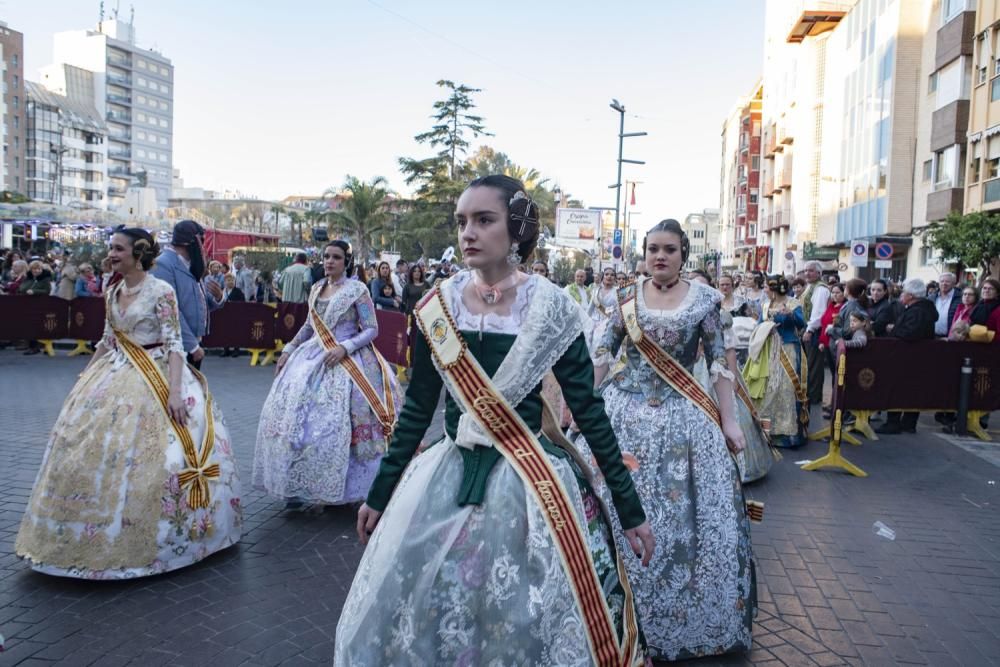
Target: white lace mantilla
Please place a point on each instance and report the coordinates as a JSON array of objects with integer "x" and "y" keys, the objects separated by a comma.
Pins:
[{"x": 545, "y": 325}]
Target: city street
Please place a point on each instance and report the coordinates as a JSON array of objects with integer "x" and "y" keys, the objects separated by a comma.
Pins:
[{"x": 831, "y": 591}]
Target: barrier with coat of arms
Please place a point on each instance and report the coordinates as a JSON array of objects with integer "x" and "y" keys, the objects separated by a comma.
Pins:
[{"x": 893, "y": 375}]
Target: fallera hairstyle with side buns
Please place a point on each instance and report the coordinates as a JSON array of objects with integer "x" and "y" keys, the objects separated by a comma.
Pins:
[
  {"x": 144, "y": 245},
  {"x": 672, "y": 226},
  {"x": 348, "y": 254},
  {"x": 522, "y": 212}
]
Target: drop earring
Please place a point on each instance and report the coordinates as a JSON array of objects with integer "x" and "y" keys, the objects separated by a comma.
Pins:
[{"x": 513, "y": 258}]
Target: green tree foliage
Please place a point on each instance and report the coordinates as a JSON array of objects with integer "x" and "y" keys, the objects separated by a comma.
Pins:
[
  {"x": 972, "y": 239},
  {"x": 364, "y": 214},
  {"x": 428, "y": 224}
]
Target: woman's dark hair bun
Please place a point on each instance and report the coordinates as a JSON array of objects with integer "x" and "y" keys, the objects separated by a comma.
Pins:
[
  {"x": 348, "y": 254},
  {"x": 522, "y": 212},
  {"x": 144, "y": 246}
]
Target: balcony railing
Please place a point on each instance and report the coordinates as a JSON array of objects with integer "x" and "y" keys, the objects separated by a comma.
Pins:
[
  {"x": 991, "y": 191},
  {"x": 121, "y": 99},
  {"x": 119, "y": 79},
  {"x": 120, "y": 153},
  {"x": 120, "y": 117}
]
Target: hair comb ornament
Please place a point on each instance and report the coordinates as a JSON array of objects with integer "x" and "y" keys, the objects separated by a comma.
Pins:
[{"x": 524, "y": 218}]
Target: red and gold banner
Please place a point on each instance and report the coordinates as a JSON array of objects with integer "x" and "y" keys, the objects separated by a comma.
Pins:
[
  {"x": 86, "y": 318},
  {"x": 521, "y": 448},
  {"x": 246, "y": 325},
  {"x": 291, "y": 317},
  {"x": 25, "y": 317},
  {"x": 392, "y": 340}
]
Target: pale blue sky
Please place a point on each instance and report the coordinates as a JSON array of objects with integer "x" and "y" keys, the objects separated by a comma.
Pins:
[{"x": 282, "y": 98}]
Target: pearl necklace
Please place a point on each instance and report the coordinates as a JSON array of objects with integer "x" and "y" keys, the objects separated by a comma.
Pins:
[{"x": 132, "y": 291}]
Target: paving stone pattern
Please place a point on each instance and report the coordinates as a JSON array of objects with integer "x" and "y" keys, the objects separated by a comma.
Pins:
[{"x": 831, "y": 592}]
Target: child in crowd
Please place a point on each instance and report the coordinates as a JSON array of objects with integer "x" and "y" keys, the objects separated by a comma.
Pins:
[{"x": 860, "y": 330}]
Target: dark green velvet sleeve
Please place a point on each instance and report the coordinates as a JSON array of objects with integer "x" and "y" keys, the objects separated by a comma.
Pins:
[
  {"x": 575, "y": 374},
  {"x": 414, "y": 419}
]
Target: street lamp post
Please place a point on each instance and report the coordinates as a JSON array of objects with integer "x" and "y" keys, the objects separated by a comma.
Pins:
[{"x": 620, "y": 108}]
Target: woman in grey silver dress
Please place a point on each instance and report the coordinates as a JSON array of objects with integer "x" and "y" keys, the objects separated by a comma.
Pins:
[{"x": 698, "y": 596}]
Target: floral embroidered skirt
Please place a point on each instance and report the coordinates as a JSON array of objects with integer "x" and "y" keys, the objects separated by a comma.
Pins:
[
  {"x": 774, "y": 394},
  {"x": 318, "y": 440},
  {"x": 107, "y": 503},
  {"x": 698, "y": 595},
  {"x": 475, "y": 585},
  {"x": 756, "y": 459}
]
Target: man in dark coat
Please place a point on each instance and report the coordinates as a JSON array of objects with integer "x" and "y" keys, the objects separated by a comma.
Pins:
[
  {"x": 915, "y": 321},
  {"x": 884, "y": 308}
]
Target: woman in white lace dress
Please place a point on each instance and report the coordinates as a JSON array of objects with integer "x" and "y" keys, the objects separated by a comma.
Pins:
[
  {"x": 603, "y": 302},
  {"x": 121, "y": 493},
  {"x": 463, "y": 568},
  {"x": 319, "y": 442},
  {"x": 698, "y": 595}
]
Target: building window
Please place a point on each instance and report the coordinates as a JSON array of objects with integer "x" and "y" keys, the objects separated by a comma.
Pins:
[
  {"x": 16, "y": 80},
  {"x": 928, "y": 170},
  {"x": 951, "y": 8},
  {"x": 995, "y": 89},
  {"x": 15, "y": 101},
  {"x": 755, "y": 163},
  {"x": 14, "y": 60},
  {"x": 932, "y": 83},
  {"x": 975, "y": 163},
  {"x": 993, "y": 157}
]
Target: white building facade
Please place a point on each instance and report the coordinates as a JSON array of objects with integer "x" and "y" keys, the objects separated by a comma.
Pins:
[{"x": 133, "y": 89}]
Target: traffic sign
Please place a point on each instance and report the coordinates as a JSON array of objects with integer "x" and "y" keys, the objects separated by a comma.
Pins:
[
  {"x": 618, "y": 237},
  {"x": 883, "y": 250},
  {"x": 789, "y": 254},
  {"x": 616, "y": 252},
  {"x": 883, "y": 263},
  {"x": 859, "y": 253}
]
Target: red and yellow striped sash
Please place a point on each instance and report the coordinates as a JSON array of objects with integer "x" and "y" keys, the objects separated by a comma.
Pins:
[
  {"x": 665, "y": 366},
  {"x": 196, "y": 476},
  {"x": 384, "y": 408},
  {"x": 475, "y": 390}
]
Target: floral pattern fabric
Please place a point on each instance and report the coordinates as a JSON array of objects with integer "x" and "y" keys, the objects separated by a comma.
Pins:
[
  {"x": 771, "y": 390},
  {"x": 107, "y": 503},
  {"x": 698, "y": 596},
  {"x": 318, "y": 439},
  {"x": 480, "y": 584}
]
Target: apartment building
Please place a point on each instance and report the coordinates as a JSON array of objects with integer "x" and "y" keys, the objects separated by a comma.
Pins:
[
  {"x": 982, "y": 184},
  {"x": 703, "y": 231},
  {"x": 66, "y": 150},
  {"x": 793, "y": 111},
  {"x": 133, "y": 89},
  {"x": 942, "y": 160},
  {"x": 740, "y": 196},
  {"x": 12, "y": 109}
]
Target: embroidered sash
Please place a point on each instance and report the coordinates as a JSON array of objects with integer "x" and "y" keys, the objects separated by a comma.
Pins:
[
  {"x": 800, "y": 390},
  {"x": 195, "y": 477},
  {"x": 672, "y": 372},
  {"x": 384, "y": 408},
  {"x": 474, "y": 390}
]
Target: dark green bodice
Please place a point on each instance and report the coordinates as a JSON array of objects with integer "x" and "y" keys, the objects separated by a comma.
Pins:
[{"x": 575, "y": 374}]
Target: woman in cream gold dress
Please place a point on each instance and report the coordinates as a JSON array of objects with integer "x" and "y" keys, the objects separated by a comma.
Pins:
[{"x": 138, "y": 477}]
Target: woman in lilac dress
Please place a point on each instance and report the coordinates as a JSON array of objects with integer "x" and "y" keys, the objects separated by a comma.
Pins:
[{"x": 319, "y": 442}]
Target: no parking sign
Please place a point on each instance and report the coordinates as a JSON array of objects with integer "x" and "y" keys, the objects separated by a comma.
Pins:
[
  {"x": 859, "y": 253},
  {"x": 883, "y": 250}
]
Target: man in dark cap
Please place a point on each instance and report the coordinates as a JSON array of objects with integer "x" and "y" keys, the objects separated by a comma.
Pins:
[{"x": 182, "y": 264}]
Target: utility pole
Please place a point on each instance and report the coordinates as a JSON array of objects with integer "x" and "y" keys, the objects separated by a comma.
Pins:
[{"x": 620, "y": 108}]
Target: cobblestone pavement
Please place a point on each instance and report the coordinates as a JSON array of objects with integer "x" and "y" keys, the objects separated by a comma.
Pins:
[{"x": 831, "y": 591}]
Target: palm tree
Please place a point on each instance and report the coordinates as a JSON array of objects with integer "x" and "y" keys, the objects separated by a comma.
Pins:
[{"x": 364, "y": 213}]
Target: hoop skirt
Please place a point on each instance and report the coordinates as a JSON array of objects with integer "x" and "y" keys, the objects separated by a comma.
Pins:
[
  {"x": 462, "y": 568},
  {"x": 698, "y": 595},
  {"x": 318, "y": 440},
  {"x": 107, "y": 503}
]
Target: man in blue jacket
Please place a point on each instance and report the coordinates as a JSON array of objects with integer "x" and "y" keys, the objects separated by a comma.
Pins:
[{"x": 182, "y": 264}]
